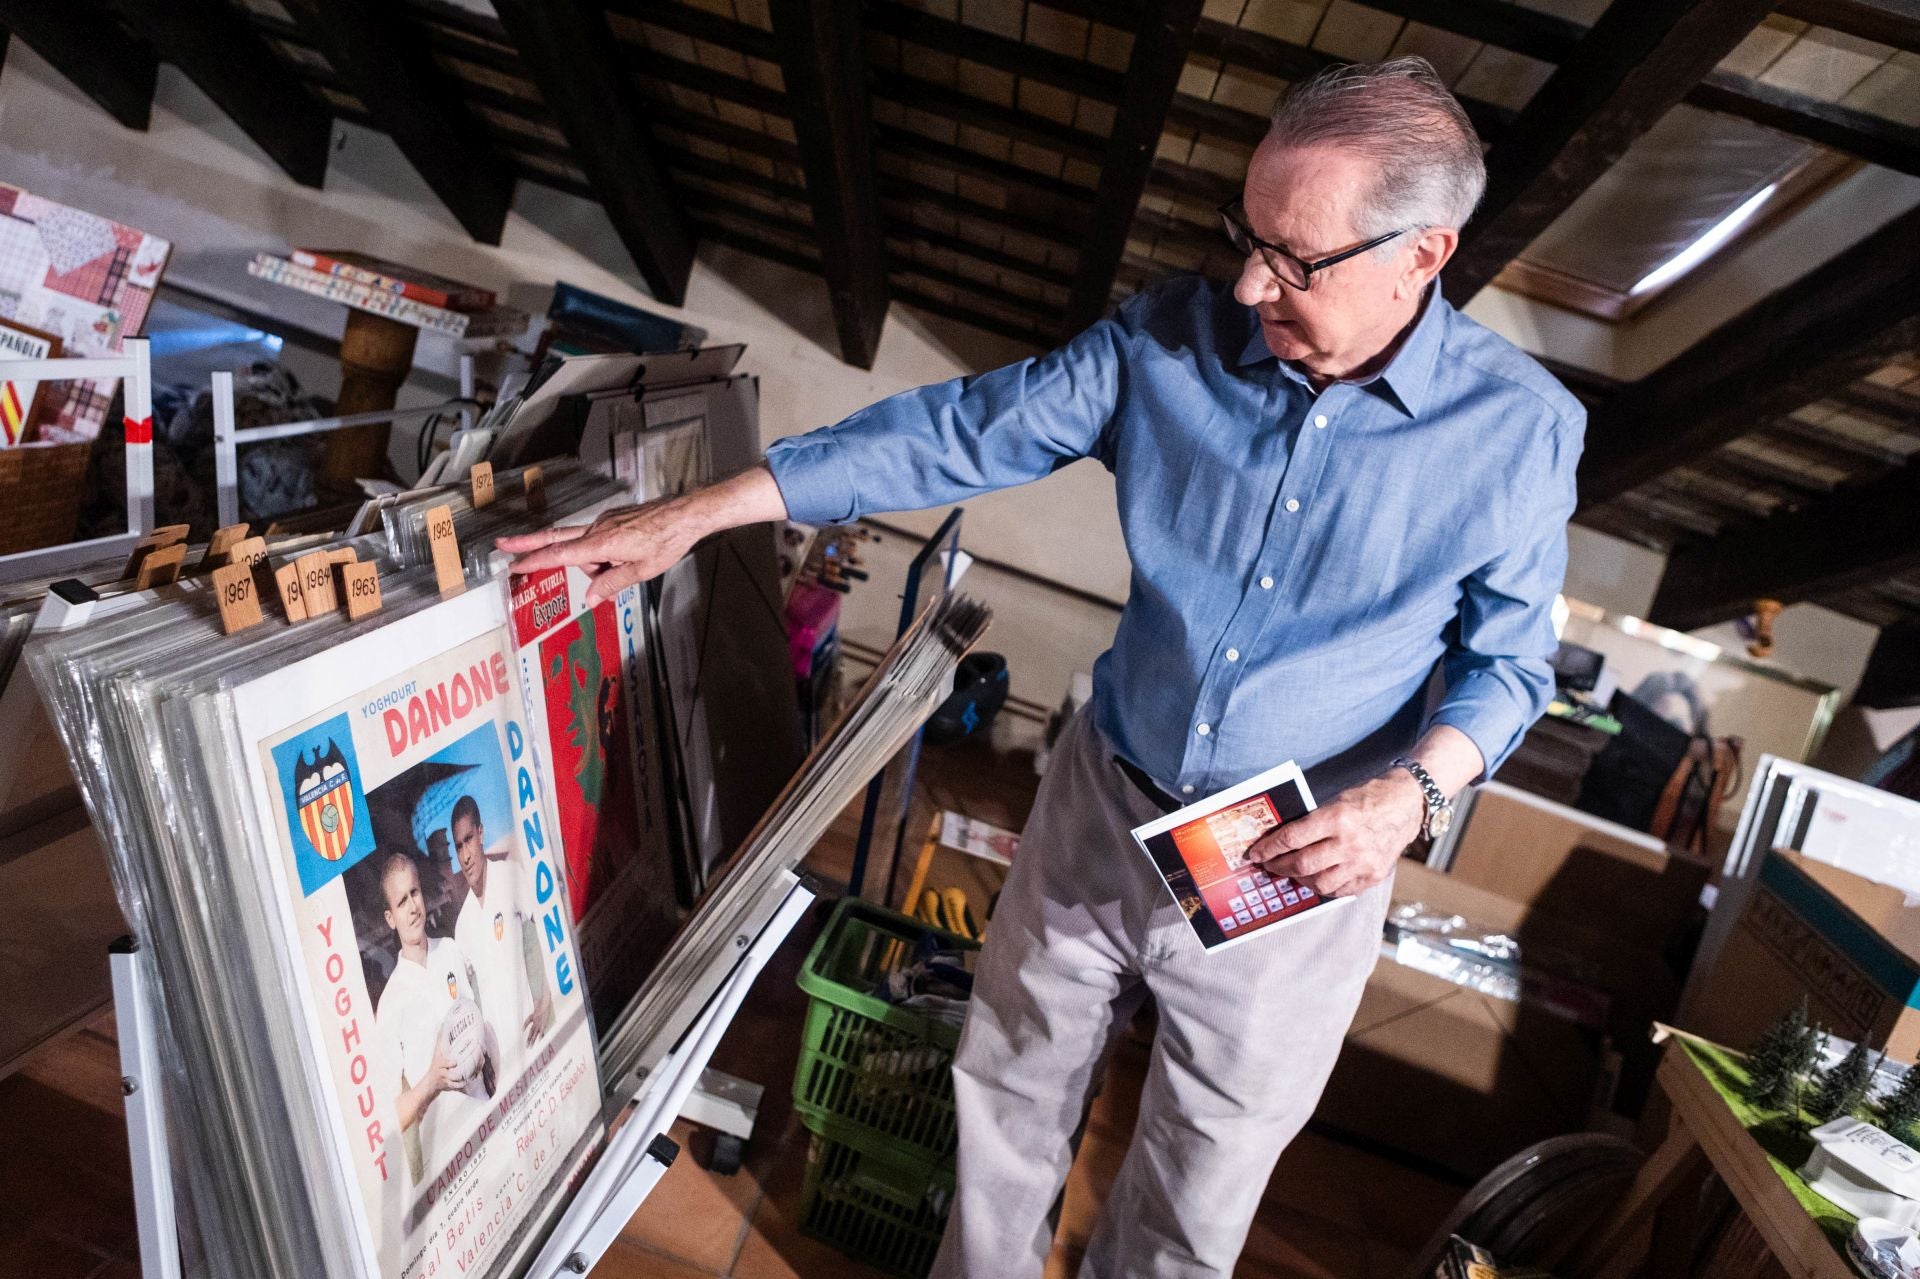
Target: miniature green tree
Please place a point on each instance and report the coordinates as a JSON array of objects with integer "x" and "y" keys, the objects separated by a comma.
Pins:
[
  {"x": 1843, "y": 1088},
  {"x": 1900, "y": 1109},
  {"x": 1776, "y": 1062}
]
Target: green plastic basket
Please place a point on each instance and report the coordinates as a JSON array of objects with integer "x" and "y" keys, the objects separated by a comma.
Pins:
[
  {"x": 866, "y": 1062},
  {"x": 861, "y": 1198}
]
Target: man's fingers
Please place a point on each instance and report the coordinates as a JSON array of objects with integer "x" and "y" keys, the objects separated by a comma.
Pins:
[
  {"x": 1300, "y": 832},
  {"x": 582, "y": 551},
  {"x": 609, "y": 582},
  {"x": 1304, "y": 863},
  {"x": 521, "y": 543}
]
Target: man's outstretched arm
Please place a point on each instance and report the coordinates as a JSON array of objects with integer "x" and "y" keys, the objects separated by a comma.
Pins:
[{"x": 638, "y": 543}]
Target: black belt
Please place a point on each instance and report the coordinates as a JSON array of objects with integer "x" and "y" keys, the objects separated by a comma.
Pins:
[{"x": 1145, "y": 785}]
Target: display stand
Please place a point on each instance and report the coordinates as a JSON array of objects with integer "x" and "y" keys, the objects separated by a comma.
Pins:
[
  {"x": 627, "y": 1170},
  {"x": 132, "y": 367},
  {"x": 946, "y": 538},
  {"x": 227, "y": 438}
]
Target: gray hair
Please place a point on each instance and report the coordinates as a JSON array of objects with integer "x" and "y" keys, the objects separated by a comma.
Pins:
[{"x": 1400, "y": 115}]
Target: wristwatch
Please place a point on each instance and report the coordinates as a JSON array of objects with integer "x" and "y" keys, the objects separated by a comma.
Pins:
[{"x": 1439, "y": 807}]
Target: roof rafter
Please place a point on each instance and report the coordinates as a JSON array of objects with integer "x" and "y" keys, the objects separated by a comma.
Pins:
[
  {"x": 824, "y": 65},
  {"x": 569, "y": 52},
  {"x": 1839, "y": 322},
  {"x": 221, "y": 53},
  {"x": 1153, "y": 74},
  {"x": 83, "y": 42},
  {"x": 1894, "y": 22},
  {"x": 1638, "y": 61},
  {"x": 1860, "y": 535},
  {"x": 383, "y": 61}
]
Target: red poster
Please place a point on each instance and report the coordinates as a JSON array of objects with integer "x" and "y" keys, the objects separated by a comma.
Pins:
[{"x": 587, "y": 719}]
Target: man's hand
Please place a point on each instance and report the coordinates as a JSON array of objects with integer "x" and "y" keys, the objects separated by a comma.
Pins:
[
  {"x": 626, "y": 545},
  {"x": 440, "y": 1075},
  {"x": 1351, "y": 843},
  {"x": 638, "y": 543}
]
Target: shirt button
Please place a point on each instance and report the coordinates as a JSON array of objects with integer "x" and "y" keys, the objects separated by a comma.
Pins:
[
  {"x": 1233, "y": 655},
  {"x": 1204, "y": 729},
  {"x": 1293, "y": 504},
  {"x": 1266, "y": 583},
  {"x": 1320, "y": 420},
  {"x": 1187, "y": 789}
]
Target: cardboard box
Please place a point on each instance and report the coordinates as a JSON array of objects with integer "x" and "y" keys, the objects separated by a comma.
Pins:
[
  {"x": 1578, "y": 867},
  {"x": 1463, "y": 1079},
  {"x": 1851, "y": 946}
]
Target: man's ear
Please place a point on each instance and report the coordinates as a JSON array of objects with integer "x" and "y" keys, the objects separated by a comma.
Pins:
[{"x": 1430, "y": 253}]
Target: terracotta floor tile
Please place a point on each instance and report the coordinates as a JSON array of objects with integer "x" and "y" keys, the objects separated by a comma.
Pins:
[
  {"x": 1404, "y": 1206},
  {"x": 775, "y": 1249},
  {"x": 1322, "y": 1178},
  {"x": 1289, "y": 1245},
  {"x": 636, "y": 1261},
  {"x": 693, "y": 1214}
]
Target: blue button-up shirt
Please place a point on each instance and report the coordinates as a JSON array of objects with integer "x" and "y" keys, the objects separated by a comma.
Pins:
[{"x": 1303, "y": 561}]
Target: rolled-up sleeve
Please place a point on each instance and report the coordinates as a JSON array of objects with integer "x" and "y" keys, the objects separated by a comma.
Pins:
[
  {"x": 1497, "y": 668},
  {"x": 952, "y": 440}
]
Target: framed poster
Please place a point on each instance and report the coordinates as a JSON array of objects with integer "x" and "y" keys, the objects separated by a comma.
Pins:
[{"x": 20, "y": 400}]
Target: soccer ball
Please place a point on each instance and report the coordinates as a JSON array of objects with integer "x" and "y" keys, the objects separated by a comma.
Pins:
[{"x": 463, "y": 1040}]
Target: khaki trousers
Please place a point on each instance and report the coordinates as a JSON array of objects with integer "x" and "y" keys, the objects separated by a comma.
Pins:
[{"x": 1247, "y": 1036}]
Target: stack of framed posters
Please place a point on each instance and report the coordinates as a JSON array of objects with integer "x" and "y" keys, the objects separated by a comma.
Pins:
[{"x": 332, "y": 839}]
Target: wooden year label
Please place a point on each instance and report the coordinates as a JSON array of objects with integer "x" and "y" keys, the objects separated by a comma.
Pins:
[
  {"x": 535, "y": 481},
  {"x": 152, "y": 542},
  {"x": 160, "y": 566},
  {"x": 361, "y": 582},
  {"x": 286, "y": 582},
  {"x": 447, "y": 571},
  {"x": 238, "y": 595},
  {"x": 248, "y": 550},
  {"x": 220, "y": 546},
  {"x": 316, "y": 583},
  {"x": 481, "y": 478}
]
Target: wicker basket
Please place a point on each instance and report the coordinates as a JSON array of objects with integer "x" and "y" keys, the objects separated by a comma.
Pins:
[{"x": 40, "y": 490}]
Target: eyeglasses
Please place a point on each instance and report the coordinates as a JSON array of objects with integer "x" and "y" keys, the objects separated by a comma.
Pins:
[{"x": 1288, "y": 269}]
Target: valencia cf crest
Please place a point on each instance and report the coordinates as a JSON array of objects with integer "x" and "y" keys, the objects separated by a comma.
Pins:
[
  {"x": 499, "y": 925},
  {"x": 323, "y": 788},
  {"x": 328, "y": 820},
  {"x": 453, "y": 986}
]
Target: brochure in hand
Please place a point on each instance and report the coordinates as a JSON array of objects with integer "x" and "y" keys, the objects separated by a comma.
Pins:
[{"x": 1204, "y": 853}]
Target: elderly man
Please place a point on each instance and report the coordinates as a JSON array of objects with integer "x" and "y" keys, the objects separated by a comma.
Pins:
[{"x": 1332, "y": 486}]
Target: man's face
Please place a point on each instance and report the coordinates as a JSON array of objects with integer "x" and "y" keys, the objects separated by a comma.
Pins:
[
  {"x": 406, "y": 906},
  {"x": 1304, "y": 198},
  {"x": 470, "y": 846}
]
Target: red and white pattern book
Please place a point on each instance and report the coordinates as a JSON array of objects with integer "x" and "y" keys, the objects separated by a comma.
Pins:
[{"x": 394, "y": 277}]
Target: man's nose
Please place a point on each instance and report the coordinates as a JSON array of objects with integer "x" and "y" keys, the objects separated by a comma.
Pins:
[{"x": 1256, "y": 284}]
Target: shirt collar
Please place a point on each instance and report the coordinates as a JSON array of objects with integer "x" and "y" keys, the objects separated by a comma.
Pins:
[{"x": 1407, "y": 375}]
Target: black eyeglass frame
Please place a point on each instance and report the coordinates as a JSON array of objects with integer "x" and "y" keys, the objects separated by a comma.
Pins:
[{"x": 1232, "y": 225}]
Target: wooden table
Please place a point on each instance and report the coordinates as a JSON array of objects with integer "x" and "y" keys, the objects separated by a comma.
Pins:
[{"x": 1652, "y": 1230}]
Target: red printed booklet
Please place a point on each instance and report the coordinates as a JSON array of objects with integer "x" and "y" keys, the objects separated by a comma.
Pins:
[{"x": 1203, "y": 851}]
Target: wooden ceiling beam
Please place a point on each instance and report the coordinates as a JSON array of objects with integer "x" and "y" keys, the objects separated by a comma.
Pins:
[
  {"x": 1860, "y": 535},
  {"x": 1632, "y": 67},
  {"x": 85, "y": 43},
  {"x": 230, "y": 62},
  {"x": 894, "y": 186},
  {"x": 964, "y": 108},
  {"x": 698, "y": 24},
  {"x": 1838, "y": 323},
  {"x": 385, "y": 62},
  {"x": 691, "y": 75},
  {"x": 1075, "y": 75},
  {"x": 1862, "y": 134},
  {"x": 1894, "y": 22},
  {"x": 823, "y": 62},
  {"x": 906, "y": 142},
  {"x": 1153, "y": 76},
  {"x": 569, "y": 53}
]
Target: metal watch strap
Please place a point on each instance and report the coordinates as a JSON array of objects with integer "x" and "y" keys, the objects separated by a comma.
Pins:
[{"x": 1436, "y": 798}]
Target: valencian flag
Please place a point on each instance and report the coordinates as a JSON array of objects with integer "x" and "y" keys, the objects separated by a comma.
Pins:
[{"x": 326, "y": 805}]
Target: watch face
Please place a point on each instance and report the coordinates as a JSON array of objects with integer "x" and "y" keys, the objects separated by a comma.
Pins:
[{"x": 1439, "y": 820}]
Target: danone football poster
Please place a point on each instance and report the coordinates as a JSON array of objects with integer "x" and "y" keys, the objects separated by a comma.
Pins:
[
  {"x": 585, "y": 679},
  {"x": 424, "y": 893}
]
